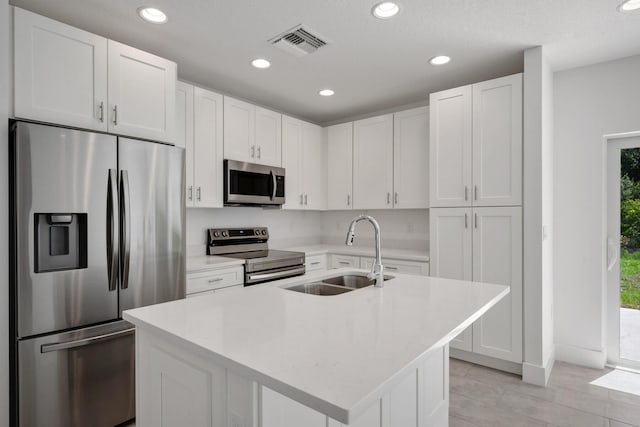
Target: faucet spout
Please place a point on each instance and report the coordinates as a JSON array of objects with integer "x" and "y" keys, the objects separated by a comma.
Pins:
[{"x": 377, "y": 270}]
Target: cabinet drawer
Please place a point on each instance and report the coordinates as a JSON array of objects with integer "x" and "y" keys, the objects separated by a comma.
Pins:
[
  {"x": 400, "y": 266},
  {"x": 316, "y": 262},
  {"x": 340, "y": 261},
  {"x": 216, "y": 279}
]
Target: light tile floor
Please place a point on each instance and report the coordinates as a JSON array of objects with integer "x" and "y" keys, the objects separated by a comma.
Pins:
[{"x": 485, "y": 397}]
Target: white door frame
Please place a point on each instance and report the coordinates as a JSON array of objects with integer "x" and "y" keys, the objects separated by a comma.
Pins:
[{"x": 613, "y": 144}]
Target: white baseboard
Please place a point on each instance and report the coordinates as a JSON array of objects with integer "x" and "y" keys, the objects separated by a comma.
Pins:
[
  {"x": 490, "y": 362},
  {"x": 581, "y": 356},
  {"x": 538, "y": 375}
]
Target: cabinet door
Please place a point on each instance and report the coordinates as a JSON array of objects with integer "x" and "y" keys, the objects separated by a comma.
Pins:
[
  {"x": 239, "y": 130},
  {"x": 184, "y": 133},
  {"x": 280, "y": 411},
  {"x": 340, "y": 166},
  {"x": 450, "y": 148},
  {"x": 398, "y": 266},
  {"x": 411, "y": 158},
  {"x": 341, "y": 261},
  {"x": 142, "y": 94},
  {"x": 268, "y": 137},
  {"x": 291, "y": 161},
  {"x": 208, "y": 149},
  {"x": 373, "y": 163},
  {"x": 314, "y": 167},
  {"x": 450, "y": 240},
  {"x": 497, "y": 258},
  {"x": 60, "y": 73},
  {"x": 497, "y": 142}
]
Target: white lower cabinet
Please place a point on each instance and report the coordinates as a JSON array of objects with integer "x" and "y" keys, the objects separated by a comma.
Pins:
[
  {"x": 483, "y": 245},
  {"x": 398, "y": 266},
  {"x": 342, "y": 261},
  {"x": 208, "y": 281},
  {"x": 315, "y": 262}
]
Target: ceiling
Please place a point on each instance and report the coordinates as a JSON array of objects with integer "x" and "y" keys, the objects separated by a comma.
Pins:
[{"x": 372, "y": 64}]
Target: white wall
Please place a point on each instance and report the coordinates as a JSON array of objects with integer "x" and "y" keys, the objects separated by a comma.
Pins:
[
  {"x": 590, "y": 102},
  {"x": 404, "y": 229},
  {"x": 538, "y": 208},
  {"x": 5, "y": 102}
]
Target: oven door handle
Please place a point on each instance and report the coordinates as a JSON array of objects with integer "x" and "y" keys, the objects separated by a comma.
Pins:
[
  {"x": 273, "y": 180},
  {"x": 275, "y": 275}
]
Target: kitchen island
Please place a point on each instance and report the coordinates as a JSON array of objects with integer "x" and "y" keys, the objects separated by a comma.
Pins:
[{"x": 267, "y": 356}]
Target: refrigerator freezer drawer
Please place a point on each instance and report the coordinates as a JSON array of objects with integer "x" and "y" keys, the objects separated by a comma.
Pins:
[{"x": 80, "y": 378}]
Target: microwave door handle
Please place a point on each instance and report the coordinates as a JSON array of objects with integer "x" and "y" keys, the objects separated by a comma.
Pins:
[{"x": 273, "y": 177}]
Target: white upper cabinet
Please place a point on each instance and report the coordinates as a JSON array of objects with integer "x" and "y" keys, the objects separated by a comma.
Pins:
[
  {"x": 450, "y": 255},
  {"x": 497, "y": 142},
  {"x": 497, "y": 258},
  {"x": 142, "y": 93},
  {"x": 208, "y": 149},
  {"x": 252, "y": 134},
  {"x": 184, "y": 133},
  {"x": 340, "y": 166},
  {"x": 373, "y": 163},
  {"x": 314, "y": 167},
  {"x": 268, "y": 137},
  {"x": 67, "y": 76},
  {"x": 239, "y": 130},
  {"x": 411, "y": 159},
  {"x": 291, "y": 162},
  {"x": 60, "y": 73},
  {"x": 450, "y": 147}
]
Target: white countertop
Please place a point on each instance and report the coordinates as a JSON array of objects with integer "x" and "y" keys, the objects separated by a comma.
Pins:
[
  {"x": 336, "y": 354},
  {"x": 210, "y": 262},
  {"x": 404, "y": 254}
]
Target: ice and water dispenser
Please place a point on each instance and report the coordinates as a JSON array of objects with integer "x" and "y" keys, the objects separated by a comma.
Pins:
[{"x": 60, "y": 241}]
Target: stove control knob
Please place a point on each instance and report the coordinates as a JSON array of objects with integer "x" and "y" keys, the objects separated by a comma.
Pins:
[
  {"x": 216, "y": 234},
  {"x": 225, "y": 234},
  {"x": 264, "y": 232},
  {"x": 257, "y": 232}
]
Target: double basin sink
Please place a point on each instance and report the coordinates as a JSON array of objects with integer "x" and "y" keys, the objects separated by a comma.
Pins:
[{"x": 336, "y": 285}]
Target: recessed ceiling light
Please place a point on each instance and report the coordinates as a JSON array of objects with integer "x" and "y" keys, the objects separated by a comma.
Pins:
[
  {"x": 326, "y": 92},
  {"x": 629, "y": 6},
  {"x": 385, "y": 10},
  {"x": 152, "y": 14},
  {"x": 261, "y": 63},
  {"x": 439, "y": 60}
]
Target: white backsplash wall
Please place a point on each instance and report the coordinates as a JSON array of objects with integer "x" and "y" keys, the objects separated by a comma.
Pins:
[
  {"x": 286, "y": 228},
  {"x": 399, "y": 229}
]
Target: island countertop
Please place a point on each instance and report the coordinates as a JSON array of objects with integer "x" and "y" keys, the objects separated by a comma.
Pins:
[{"x": 335, "y": 354}]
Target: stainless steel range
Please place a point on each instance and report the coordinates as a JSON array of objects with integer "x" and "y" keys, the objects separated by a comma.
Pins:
[{"x": 261, "y": 263}]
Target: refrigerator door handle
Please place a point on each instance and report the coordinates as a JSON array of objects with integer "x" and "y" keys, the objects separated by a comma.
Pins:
[
  {"x": 125, "y": 223},
  {"x": 112, "y": 243},
  {"x": 46, "y": 348}
]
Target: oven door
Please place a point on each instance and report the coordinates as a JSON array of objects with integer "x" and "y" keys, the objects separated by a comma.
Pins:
[{"x": 252, "y": 184}]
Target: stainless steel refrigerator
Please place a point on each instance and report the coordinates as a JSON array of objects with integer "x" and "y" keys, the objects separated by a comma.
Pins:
[{"x": 96, "y": 227}]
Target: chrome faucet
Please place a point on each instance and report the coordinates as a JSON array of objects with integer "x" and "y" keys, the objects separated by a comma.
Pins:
[{"x": 377, "y": 270}]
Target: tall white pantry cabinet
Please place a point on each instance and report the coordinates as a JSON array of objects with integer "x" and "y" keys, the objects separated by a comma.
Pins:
[{"x": 476, "y": 204}]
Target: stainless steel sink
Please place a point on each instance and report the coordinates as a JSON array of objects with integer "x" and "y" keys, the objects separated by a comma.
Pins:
[
  {"x": 353, "y": 281},
  {"x": 319, "y": 289}
]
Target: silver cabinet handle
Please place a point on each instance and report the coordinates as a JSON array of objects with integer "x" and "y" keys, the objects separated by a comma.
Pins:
[
  {"x": 466, "y": 193},
  {"x": 466, "y": 221},
  {"x": 190, "y": 192},
  {"x": 101, "y": 108},
  {"x": 344, "y": 262},
  {"x": 388, "y": 198},
  {"x": 475, "y": 220},
  {"x": 348, "y": 199},
  {"x": 125, "y": 225},
  {"x": 301, "y": 199},
  {"x": 253, "y": 151},
  {"x": 112, "y": 226},
  {"x": 199, "y": 194},
  {"x": 115, "y": 115},
  {"x": 395, "y": 198},
  {"x": 259, "y": 151},
  {"x": 217, "y": 279},
  {"x": 306, "y": 196},
  {"x": 46, "y": 348},
  {"x": 475, "y": 192},
  {"x": 315, "y": 263}
]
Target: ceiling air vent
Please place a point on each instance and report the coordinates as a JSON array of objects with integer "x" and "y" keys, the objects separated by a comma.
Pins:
[{"x": 298, "y": 41}]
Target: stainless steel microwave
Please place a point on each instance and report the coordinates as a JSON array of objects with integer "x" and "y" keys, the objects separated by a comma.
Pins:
[{"x": 249, "y": 184}]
